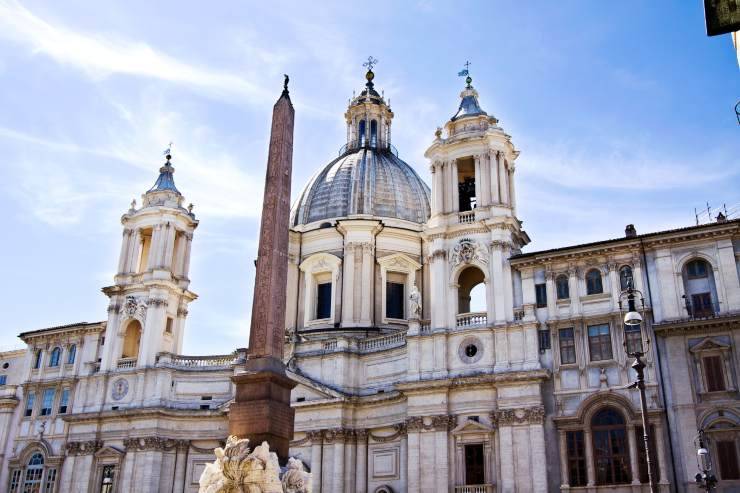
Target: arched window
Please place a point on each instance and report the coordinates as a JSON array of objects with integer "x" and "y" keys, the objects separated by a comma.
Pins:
[
  {"x": 701, "y": 292},
  {"x": 131, "y": 340},
  {"x": 37, "y": 359},
  {"x": 34, "y": 474},
  {"x": 56, "y": 353},
  {"x": 625, "y": 277},
  {"x": 373, "y": 133},
  {"x": 361, "y": 133},
  {"x": 71, "y": 354},
  {"x": 561, "y": 284},
  {"x": 610, "y": 448},
  {"x": 593, "y": 282},
  {"x": 471, "y": 298}
]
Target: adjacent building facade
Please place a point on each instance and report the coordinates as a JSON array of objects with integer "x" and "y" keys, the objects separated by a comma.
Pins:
[{"x": 431, "y": 353}]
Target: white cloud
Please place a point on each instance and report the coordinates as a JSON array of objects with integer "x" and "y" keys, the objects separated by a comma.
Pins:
[{"x": 101, "y": 55}]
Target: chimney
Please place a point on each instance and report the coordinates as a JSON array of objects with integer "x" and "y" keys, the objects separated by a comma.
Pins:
[{"x": 630, "y": 231}]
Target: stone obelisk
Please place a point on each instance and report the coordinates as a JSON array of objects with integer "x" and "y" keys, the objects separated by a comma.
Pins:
[{"x": 261, "y": 409}]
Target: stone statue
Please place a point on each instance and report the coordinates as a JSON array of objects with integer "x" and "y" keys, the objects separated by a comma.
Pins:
[
  {"x": 415, "y": 302},
  {"x": 237, "y": 469}
]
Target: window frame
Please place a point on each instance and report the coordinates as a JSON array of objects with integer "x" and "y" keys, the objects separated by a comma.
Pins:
[
  {"x": 391, "y": 285},
  {"x": 591, "y": 288},
  {"x": 576, "y": 457},
  {"x": 598, "y": 342},
  {"x": 540, "y": 295},
  {"x": 30, "y": 404},
  {"x": 63, "y": 407},
  {"x": 624, "y": 280},
  {"x": 558, "y": 283},
  {"x": 610, "y": 433},
  {"x": 722, "y": 456},
  {"x": 55, "y": 357},
  {"x": 321, "y": 290},
  {"x": 571, "y": 345},
  {"x": 714, "y": 378},
  {"x": 697, "y": 275},
  {"x": 44, "y": 410},
  {"x": 71, "y": 354}
]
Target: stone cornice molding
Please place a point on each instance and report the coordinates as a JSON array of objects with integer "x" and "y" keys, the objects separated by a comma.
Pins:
[
  {"x": 142, "y": 444},
  {"x": 399, "y": 430},
  {"x": 431, "y": 386},
  {"x": 440, "y": 422}
]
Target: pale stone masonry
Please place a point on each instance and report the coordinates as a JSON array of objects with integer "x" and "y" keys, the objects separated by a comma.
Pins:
[{"x": 430, "y": 351}]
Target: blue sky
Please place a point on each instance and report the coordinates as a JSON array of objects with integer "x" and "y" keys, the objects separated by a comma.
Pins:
[{"x": 622, "y": 111}]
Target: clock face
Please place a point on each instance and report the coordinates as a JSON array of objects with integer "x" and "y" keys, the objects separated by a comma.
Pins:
[{"x": 120, "y": 389}]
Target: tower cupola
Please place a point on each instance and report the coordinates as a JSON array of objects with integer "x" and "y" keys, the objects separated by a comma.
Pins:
[{"x": 369, "y": 116}]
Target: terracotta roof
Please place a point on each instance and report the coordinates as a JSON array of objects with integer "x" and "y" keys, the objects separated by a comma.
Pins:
[{"x": 627, "y": 239}]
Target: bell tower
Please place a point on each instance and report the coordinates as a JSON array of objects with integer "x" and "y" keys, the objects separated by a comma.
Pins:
[
  {"x": 150, "y": 296},
  {"x": 473, "y": 228}
]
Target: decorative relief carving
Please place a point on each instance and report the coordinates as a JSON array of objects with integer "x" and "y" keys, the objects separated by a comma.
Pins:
[
  {"x": 442, "y": 422},
  {"x": 153, "y": 443},
  {"x": 88, "y": 447},
  {"x": 157, "y": 302},
  {"x": 399, "y": 430},
  {"x": 467, "y": 251},
  {"x": 520, "y": 416},
  {"x": 120, "y": 389},
  {"x": 135, "y": 307}
]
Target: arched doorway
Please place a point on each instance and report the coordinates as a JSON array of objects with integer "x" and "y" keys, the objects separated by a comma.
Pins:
[{"x": 471, "y": 297}]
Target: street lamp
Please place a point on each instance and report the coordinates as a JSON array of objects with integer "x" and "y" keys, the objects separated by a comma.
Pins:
[
  {"x": 704, "y": 479},
  {"x": 633, "y": 320}
]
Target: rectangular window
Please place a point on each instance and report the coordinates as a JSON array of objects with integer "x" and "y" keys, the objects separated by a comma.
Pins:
[
  {"x": 544, "y": 339},
  {"x": 713, "y": 374},
  {"x": 567, "y": 346},
  {"x": 64, "y": 401},
  {"x": 168, "y": 326},
  {"x": 30, "y": 401},
  {"x": 642, "y": 457},
  {"x": 47, "y": 401},
  {"x": 3, "y": 379},
  {"x": 633, "y": 338},
  {"x": 540, "y": 291},
  {"x": 599, "y": 342},
  {"x": 701, "y": 305},
  {"x": 576, "y": 458},
  {"x": 51, "y": 479},
  {"x": 562, "y": 287},
  {"x": 323, "y": 300},
  {"x": 15, "y": 480},
  {"x": 727, "y": 459},
  {"x": 394, "y": 300},
  {"x": 107, "y": 478},
  {"x": 474, "y": 472}
]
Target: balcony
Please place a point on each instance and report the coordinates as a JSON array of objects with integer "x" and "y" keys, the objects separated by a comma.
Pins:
[
  {"x": 467, "y": 217},
  {"x": 700, "y": 311},
  {"x": 472, "y": 319},
  {"x": 475, "y": 488},
  {"x": 182, "y": 362},
  {"x": 366, "y": 145},
  {"x": 124, "y": 363}
]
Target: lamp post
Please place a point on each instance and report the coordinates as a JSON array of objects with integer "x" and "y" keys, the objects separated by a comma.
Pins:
[
  {"x": 633, "y": 320},
  {"x": 704, "y": 479}
]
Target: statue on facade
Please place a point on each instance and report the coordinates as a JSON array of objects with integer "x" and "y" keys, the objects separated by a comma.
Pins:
[
  {"x": 238, "y": 469},
  {"x": 415, "y": 302}
]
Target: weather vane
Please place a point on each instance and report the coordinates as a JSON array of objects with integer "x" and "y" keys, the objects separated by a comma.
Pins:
[
  {"x": 370, "y": 63},
  {"x": 465, "y": 71},
  {"x": 168, "y": 152}
]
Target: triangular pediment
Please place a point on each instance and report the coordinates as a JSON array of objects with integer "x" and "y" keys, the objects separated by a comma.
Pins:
[
  {"x": 471, "y": 426},
  {"x": 710, "y": 344},
  {"x": 311, "y": 389},
  {"x": 110, "y": 451}
]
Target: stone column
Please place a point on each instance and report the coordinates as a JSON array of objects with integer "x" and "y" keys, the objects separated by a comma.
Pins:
[
  {"x": 537, "y": 449},
  {"x": 186, "y": 256},
  {"x": 177, "y": 263},
  {"x": 497, "y": 278},
  {"x": 132, "y": 264},
  {"x": 414, "y": 457},
  {"x": 404, "y": 460},
  {"x": 564, "y": 479},
  {"x": 455, "y": 190},
  {"x": 316, "y": 438},
  {"x": 575, "y": 295},
  {"x": 512, "y": 189},
  {"x": 438, "y": 282},
  {"x": 367, "y": 285},
  {"x": 614, "y": 284},
  {"x": 486, "y": 177},
  {"x": 125, "y": 247},
  {"x": 495, "y": 178},
  {"x": 478, "y": 181},
  {"x": 551, "y": 294},
  {"x": 348, "y": 285},
  {"x": 361, "y": 467},
  {"x": 441, "y": 464},
  {"x": 504, "y": 175},
  {"x": 506, "y": 450},
  {"x": 449, "y": 207},
  {"x": 153, "y": 260},
  {"x": 169, "y": 247},
  {"x": 589, "y": 446},
  {"x": 350, "y": 460},
  {"x": 660, "y": 448},
  {"x": 181, "y": 456},
  {"x": 337, "y": 484}
]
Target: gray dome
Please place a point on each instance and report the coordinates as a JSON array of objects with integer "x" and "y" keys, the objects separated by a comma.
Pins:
[{"x": 363, "y": 181}]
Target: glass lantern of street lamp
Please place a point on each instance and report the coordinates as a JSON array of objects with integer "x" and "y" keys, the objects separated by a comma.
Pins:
[{"x": 632, "y": 318}]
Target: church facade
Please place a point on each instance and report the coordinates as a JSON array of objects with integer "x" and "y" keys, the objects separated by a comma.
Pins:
[{"x": 431, "y": 352}]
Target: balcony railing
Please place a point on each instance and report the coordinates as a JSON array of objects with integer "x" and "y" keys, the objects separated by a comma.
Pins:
[
  {"x": 126, "y": 363},
  {"x": 383, "y": 342},
  {"x": 696, "y": 311},
  {"x": 472, "y": 319},
  {"x": 467, "y": 217},
  {"x": 475, "y": 488},
  {"x": 215, "y": 362},
  {"x": 425, "y": 327}
]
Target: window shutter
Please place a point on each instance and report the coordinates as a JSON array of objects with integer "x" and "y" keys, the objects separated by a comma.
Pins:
[
  {"x": 713, "y": 373},
  {"x": 727, "y": 457}
]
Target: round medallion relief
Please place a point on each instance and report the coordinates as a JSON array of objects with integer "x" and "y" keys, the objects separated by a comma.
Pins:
[
  {"x": 470, "y": 350},
  {"x": 120, "y": 389}
]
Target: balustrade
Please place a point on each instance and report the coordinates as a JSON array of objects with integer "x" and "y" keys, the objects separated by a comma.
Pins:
[{"x": 472, "y": 319}]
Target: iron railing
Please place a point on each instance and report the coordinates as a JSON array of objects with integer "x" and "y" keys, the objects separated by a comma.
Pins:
[{"x": 351, "y": 146}]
